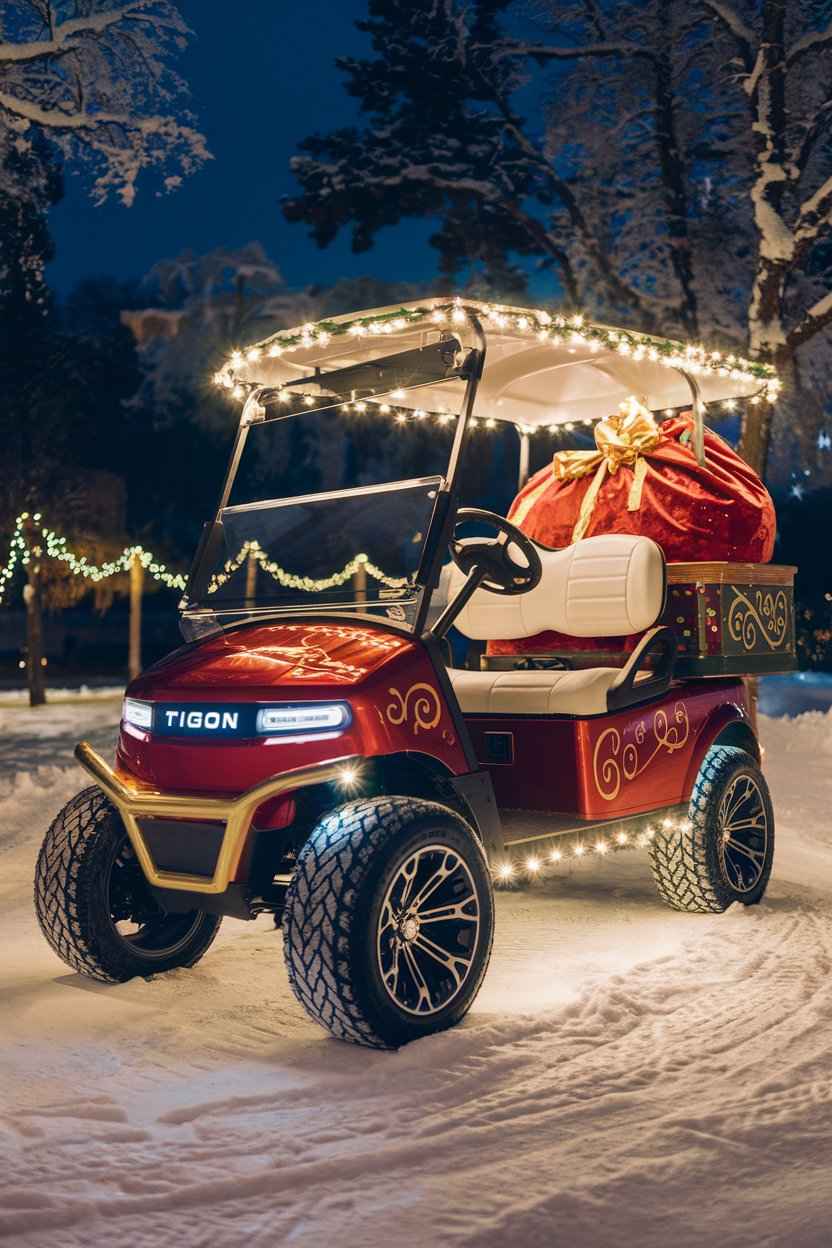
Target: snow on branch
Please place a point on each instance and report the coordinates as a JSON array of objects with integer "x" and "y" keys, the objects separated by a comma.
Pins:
[
  {"x": 547, "y": 52},
  {"x": 815, "y": 215},
  {"x": 100, "y": 87},
  {"x": 816, "y": 318},
  {"x": 62, "y": 38}
]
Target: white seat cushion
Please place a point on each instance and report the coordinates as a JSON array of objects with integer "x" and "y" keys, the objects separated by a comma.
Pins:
[
  {"x": 611, "y": 585},
  {"x": 533, "y": 693}
]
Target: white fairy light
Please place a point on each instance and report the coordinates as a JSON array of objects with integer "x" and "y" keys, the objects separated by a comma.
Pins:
[{"x": 692, "y": 356}]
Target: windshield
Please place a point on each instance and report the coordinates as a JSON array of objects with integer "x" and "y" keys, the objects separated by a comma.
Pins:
[
  {"x": 347, "y": 548},
  {"x": 329, "y": 505}
]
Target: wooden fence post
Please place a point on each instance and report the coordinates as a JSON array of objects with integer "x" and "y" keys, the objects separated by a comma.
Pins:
[
  {"x": 134, "y": 656},
  {"x": 359, "y": 583},
  {"x": 251, "y": 578},
  {"x": 35, "y": 674}
]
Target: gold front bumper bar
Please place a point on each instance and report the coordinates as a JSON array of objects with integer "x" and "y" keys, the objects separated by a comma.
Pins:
[{"x": 235, "y": 812}]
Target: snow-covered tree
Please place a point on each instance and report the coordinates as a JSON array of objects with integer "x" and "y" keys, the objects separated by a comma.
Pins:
[
  {"x": 26, "y": 245},
  {"x": 669, "y": 160},
  {"x": 96, "y": 79}
]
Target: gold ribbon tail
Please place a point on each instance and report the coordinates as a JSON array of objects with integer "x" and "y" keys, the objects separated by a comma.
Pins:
[
  {"x": 585, "y": 514},
  {"x": 637, "y": 485}
]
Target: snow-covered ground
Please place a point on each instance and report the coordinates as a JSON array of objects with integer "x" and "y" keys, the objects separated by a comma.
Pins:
[{"x": 627, "y": 1075}]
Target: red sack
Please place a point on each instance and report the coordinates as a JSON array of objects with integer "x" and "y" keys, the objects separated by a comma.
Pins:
[{"x": 644, "y": 479}]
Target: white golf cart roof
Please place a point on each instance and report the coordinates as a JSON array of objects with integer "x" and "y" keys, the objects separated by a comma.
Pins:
[{"x": 541, "y": 368}]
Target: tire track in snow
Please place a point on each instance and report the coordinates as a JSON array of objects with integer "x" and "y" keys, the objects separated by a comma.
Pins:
[{"x": 547, "y": 1115}]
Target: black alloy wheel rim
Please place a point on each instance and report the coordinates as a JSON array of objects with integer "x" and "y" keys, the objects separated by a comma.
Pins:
[
  {"x": 743, "y": 833},
  {"x": 137, "y": 918},
  {"x": 428, "y": 930}
]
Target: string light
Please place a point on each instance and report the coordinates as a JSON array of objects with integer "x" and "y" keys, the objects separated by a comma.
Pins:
[
  {"x": 693, "y": 357},
  {"x": 18, "y": 553},
  {"x": 289, "y": 580},
  {"x": 297, "y": 402},
  {"x": 55, "y": 546},
  {"x": 572, "y": 846}
]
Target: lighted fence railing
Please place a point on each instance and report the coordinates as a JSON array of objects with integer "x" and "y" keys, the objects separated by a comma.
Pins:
[{"x": 31, "y": 538}]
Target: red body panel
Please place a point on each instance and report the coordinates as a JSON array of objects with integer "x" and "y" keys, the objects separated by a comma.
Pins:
[
  {"x": 637, "y": 760},
  {"x": 396, "y": 700}
]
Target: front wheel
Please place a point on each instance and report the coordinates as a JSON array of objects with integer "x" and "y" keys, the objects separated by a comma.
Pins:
[
  {"x": 723, "y": 853},
  {"x": 388, "y": 921},
  {"x": 94, "y": 905}
]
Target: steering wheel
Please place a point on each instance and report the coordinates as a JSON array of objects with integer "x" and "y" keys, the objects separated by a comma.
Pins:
[{"x": 497, "y": 557}]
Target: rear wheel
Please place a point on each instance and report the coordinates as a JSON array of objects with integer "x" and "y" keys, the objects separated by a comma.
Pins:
[
  {"x": 389, "y": 921},
  {"x": 94, "y": 905},
  {"x": 724, "y": 853}
]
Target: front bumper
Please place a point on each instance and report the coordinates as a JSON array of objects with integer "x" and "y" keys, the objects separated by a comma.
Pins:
[{"x": 235, "y": 814}]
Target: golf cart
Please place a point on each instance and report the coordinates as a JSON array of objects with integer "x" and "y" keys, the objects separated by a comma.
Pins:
[{"x": 312, "y": 751}]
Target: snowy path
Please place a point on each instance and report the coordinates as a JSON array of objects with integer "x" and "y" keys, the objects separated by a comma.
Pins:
[{"x": 627, "y": 1075}]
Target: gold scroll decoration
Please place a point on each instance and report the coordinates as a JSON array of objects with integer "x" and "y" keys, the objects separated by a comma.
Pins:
[
  {"x": 765, "y": 619},
  {"x": 620, "y": 766},
  {"x": 419, "y": 708}
]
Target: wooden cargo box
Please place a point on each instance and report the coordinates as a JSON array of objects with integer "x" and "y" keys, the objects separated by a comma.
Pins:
[{"x": 731, "y": 618}]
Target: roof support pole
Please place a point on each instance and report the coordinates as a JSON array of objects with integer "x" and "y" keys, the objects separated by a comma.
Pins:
[
  {"x": 525, "y": 452},
  {"x": 698, "y": 417}
]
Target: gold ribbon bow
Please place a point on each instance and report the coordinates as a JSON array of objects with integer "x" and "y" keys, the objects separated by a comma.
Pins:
[{"x": 622, "y": 439}]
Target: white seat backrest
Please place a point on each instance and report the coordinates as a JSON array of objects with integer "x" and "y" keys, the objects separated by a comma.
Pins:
[{"x": 606, "y": 586}]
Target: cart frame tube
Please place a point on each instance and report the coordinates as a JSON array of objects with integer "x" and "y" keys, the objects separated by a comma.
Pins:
[{"x": 235, "y": 812}]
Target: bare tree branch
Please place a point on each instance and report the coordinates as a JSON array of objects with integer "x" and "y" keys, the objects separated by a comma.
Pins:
[
  {"x": 742, "y": 34},
  {"x": 63, "y": 33},
  {"x": 809, "y": 43},
  {"x": 547, "y": 52}
]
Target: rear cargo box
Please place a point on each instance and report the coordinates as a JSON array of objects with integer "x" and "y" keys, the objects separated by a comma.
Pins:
[{"x": 731, "y": 618}]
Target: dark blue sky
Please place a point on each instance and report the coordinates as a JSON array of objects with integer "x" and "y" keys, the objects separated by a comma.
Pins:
[{"x": 262, "y": 77}]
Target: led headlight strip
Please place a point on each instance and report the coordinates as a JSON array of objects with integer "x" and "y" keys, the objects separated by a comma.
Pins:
[
  {"x": 304, "y": 717},
  {"x": 244, "y": 720}
]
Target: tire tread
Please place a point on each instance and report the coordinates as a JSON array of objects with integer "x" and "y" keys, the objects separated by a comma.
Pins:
[{"x": 321, "y": 903}]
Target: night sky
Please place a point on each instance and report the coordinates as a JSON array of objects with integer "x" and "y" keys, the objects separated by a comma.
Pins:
[{"x": 261, "y": 81}]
